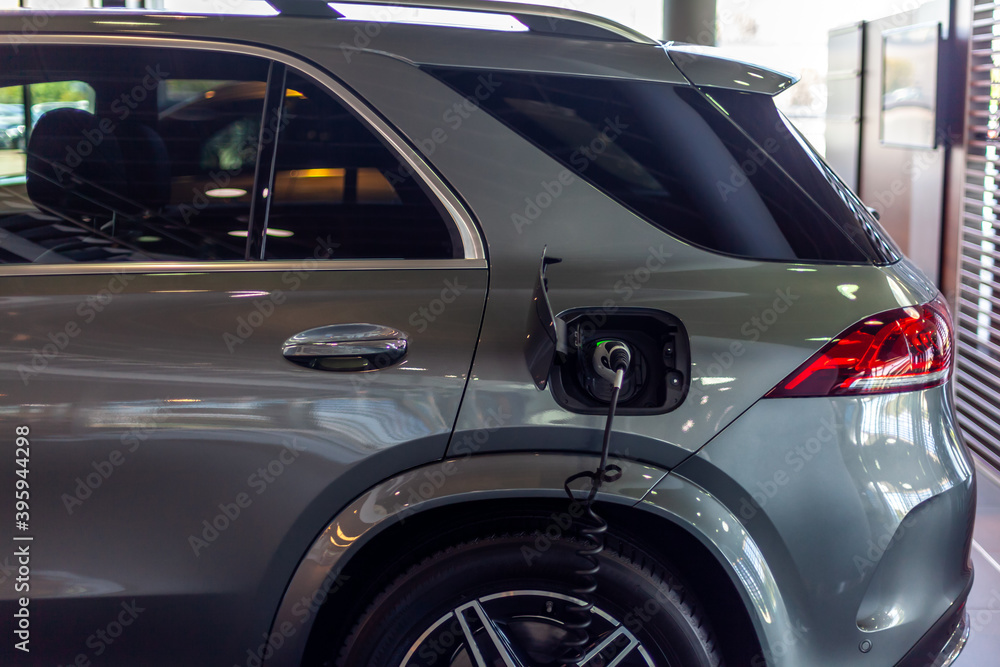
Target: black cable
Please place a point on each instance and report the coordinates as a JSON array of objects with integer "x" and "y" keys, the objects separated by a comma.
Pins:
[{"x": 593, "y": 531}]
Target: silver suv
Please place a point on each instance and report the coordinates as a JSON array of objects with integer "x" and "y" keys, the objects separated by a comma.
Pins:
[{"x": 309, "y": 324}]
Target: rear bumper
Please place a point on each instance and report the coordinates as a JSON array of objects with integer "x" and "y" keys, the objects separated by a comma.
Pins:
[
  {"x": 861, "y": 510},
  {"x": 943, "y": 643}
]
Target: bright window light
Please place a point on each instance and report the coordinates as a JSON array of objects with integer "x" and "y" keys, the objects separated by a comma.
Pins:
[
  {"x": 251, "y": 7},
  {"x": 54, "y": 5},
  {"x": 442, "y": 17}
]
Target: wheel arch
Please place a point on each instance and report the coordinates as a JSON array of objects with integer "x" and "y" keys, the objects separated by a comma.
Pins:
[{"x": 453, "y": 500}]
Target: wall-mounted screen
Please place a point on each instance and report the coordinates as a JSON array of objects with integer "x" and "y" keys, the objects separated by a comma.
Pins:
[{"x": 909, "y": 85}]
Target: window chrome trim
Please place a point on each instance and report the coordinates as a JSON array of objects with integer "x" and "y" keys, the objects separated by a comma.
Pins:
[
  {"x": 472, "y": 241},
  {"x": 238, "y": 266}
]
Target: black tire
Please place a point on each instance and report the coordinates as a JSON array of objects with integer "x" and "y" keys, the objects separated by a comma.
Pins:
[{"x": 523, "y": 584}]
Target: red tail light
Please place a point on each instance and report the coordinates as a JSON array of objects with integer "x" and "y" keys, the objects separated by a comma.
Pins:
[{"x": 898, "y": 350}]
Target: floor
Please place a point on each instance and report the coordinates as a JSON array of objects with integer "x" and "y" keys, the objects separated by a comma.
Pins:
[{"x": 984, "y": 601}]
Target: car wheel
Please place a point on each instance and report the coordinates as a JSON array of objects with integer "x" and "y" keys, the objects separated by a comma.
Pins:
[{"x": 502, "y": 601}]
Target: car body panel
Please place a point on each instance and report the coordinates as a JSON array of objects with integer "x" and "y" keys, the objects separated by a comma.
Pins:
[
  {"x": 597, "y": 263},
  {"x": 895, "y": 469},
  {"x": 707, "y": 66},
  {"x": 806, "y": 584},
  {"x": 162, "y": 400},
  {"x": 703, "y": 515},
  {"x": 333, "y": 44}
]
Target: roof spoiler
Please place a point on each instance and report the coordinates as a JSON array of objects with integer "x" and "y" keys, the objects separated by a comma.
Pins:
[{"x": 710, "y": 67}]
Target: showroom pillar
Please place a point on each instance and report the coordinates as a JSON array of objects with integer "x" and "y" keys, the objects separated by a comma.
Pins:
[{"x": 689, "y": 21}]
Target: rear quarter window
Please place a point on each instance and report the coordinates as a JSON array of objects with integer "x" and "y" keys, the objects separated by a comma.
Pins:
[{"x": 683, "y": 160}]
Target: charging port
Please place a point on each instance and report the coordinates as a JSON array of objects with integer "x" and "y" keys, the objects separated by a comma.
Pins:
[{"x": 659, "y": 375}]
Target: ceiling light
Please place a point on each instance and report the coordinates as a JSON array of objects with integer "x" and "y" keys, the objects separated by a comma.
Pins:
[{"x": 225, "y": 193}]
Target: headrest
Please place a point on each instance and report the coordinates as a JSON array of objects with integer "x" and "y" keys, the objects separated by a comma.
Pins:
[{"x": 75, "y": 166}]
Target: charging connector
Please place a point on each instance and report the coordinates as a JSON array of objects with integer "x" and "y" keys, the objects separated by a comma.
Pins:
[{"x": 610, "y": 358}]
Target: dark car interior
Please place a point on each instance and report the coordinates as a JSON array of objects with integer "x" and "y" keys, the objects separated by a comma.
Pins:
[{"x": 162, "y": 165}]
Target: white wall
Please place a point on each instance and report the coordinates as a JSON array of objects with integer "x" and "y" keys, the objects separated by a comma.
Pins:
[{"x": 792, "y": 35}]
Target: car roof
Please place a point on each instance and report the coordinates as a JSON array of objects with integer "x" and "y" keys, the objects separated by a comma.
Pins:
[{"x": 557, "y": 41}]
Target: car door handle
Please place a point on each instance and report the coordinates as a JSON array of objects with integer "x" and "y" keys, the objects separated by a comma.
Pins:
[{"x": 346, "y": 347}]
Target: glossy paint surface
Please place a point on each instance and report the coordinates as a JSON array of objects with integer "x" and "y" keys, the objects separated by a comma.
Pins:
[
  {"x": 179, "y": 461},
  {"x": 466, "y": 478},
  {"x": 861, "y": 509},
  {"x": 709, "y": 67},
  {"x": 751, "y": 323}
]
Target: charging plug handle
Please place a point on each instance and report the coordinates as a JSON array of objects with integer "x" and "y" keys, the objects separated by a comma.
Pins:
[
  {"x": 611, "y": 360},
  {"x": 620, "y": 358}
]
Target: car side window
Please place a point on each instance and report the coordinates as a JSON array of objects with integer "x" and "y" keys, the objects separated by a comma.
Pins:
[
  {"x": 340, "y": 193},
  {"x": 716, "y": 179},
  {"x": 131, "y": 154}
]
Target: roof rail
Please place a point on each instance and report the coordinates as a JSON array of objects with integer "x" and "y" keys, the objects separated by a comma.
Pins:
[{"x": 547, "y": 20}]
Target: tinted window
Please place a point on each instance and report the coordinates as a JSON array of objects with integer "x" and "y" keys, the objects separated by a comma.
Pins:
[
  {"x": 339, "y": 193},
  {"x": 140, "y": 155},
  {"x": 757, "y": 115},
  {"x": 674, "y": 158}
]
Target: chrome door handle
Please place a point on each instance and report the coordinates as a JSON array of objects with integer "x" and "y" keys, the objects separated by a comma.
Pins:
[{"x": 346, "y": 347}]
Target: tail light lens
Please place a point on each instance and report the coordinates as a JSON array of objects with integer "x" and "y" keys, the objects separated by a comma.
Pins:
[{"x": 895, "y": 351}]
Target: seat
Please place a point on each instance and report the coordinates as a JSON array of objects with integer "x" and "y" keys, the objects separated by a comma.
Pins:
[
  {"x": 75, "y": 168},
  {"x": 147, "y": 164}
]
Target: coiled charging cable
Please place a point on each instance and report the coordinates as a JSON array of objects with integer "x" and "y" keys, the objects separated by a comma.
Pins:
[{"x": 610, "y": 360}]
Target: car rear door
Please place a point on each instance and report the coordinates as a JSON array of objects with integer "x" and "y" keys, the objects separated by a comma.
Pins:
[{"x": 231, "y": 301}]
